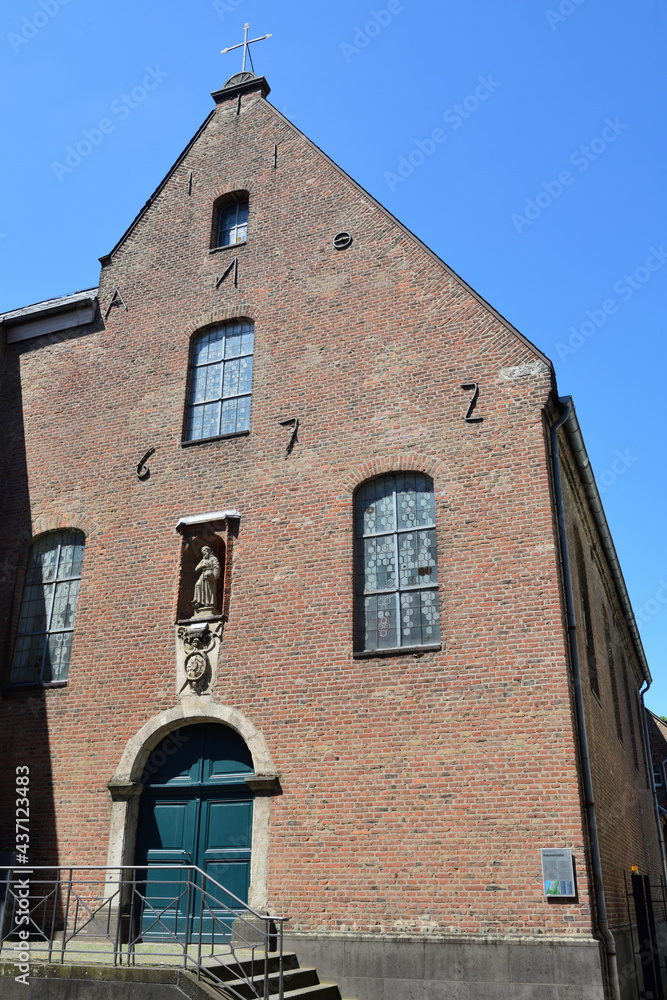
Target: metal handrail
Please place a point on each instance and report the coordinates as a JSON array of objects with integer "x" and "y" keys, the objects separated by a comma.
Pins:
[{"x": 112, "y": 910}]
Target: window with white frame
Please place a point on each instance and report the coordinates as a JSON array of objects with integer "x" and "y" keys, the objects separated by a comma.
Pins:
[
  {"x": 657, "y": 775},
  {"x": 233, "y": 223},
  {"x": 220, "y": 381},
  {"x": 396, "y": 575},
  {"x": 48, "y": 609}
]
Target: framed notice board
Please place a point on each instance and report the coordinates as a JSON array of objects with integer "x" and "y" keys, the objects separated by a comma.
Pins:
[{"x": 558, "y": 872}]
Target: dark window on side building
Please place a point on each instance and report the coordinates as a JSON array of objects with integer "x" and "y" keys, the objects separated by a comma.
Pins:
[{"x": 48, "y": 609}]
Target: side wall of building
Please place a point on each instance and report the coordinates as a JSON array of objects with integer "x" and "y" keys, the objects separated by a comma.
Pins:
[{"x": 611, "y": 681}]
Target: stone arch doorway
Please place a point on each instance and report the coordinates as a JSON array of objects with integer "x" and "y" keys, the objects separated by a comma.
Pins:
[
  {"x": 196, "y": 809},
  {"x": 146, "y": 757}
]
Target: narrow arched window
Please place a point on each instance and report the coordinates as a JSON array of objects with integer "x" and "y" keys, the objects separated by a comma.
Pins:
[
  {"x": 48, "y": 609},
  {"x": 396, "y": 574},
  {"x": 232, "y": 223},
  {"x": 220, "y": 381}
]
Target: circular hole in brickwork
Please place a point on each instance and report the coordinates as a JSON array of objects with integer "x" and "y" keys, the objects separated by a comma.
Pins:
[{"x": 342, "y": 241}]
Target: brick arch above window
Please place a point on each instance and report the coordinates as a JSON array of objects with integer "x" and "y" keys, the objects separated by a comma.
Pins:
[
  {"x": 241, "y": 311},
  {"x": 387, "y": 464},
  {"x": 54, "y": 522}
]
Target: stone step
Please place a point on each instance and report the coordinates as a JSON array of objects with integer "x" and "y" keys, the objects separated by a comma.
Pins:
[
  {"x": 324, "y": 991},
  {"x": 238, "y": 968},
  {"x": 293, "y": 980}
]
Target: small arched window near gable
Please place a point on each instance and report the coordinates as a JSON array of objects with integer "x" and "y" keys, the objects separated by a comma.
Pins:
[
  {"x": 220, "y": 381},
  {"x": 396, "y": 573},
  {"x": 48, "y": 608},
  {"x": 230, "y": 220}
]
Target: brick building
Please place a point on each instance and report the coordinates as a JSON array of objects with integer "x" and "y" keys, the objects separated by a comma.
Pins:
[{"x": 421, "y": 661}]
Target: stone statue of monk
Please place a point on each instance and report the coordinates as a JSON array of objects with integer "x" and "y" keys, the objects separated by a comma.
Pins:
[{"x": 205, "y": 587}]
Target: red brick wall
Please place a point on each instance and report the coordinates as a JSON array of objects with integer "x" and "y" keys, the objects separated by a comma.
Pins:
[
  {"x": 417, "y": 791},
  {"x": 623, "y": 798}
]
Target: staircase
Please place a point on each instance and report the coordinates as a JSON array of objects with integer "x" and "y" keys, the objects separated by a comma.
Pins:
[{"x": 246, "y": 979}]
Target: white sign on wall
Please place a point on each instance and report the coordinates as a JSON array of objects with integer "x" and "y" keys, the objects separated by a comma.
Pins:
[{"x": 557, "y": 872}]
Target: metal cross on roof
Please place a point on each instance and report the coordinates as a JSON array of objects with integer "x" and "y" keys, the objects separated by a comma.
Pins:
[{"x": 245, "y": 43}]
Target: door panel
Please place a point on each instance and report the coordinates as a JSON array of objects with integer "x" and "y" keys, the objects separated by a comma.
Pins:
[
  {"x": 225, "y": 835},
  {"x": 169, "y": 829}
]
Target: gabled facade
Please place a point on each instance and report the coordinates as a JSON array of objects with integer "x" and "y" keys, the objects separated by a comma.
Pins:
[{"x": 412, "y": 565}]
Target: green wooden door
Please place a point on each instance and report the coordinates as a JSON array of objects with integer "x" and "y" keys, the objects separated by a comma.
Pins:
[
  {"x": 169, "y": 832},
  {"x": 225, "y": 831},
  {"x": 196, "y": 809}
]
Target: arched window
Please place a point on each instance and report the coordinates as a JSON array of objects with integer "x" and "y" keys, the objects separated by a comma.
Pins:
[
  {"x": 230, "y": 220},
  {"x": 396, "y": 575},
  {"x": 220, "y": 381},
  {"x": 48, "y": 608}
]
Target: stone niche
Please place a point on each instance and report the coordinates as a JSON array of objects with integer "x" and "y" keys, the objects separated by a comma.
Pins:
[{"x": 203, "y": 597}]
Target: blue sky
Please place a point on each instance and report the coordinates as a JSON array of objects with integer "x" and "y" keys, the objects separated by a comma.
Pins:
[{"x": 544, "y": 188}]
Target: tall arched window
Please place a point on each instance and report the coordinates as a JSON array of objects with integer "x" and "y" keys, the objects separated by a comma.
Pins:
[
  {"x": 220, "y": 381},
  {"x": 396, "y": 575},
  {"x": 48, "y": 608}
]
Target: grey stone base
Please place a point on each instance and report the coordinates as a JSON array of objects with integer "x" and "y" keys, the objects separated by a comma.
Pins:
[
  {"x": 454, "y": 967},
  {"x": 87, "y": 982}
]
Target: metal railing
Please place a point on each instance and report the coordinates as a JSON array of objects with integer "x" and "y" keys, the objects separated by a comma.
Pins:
[{"x": 143, "y": 915}]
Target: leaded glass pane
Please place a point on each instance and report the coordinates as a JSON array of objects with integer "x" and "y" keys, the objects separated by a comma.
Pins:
[
  {"x": 247, "y": 339},
  {"x": 71, "y": 555},
  {"x": 27, "y": 664},
  {"x": 233, "y": 342},
  {"x": 231, "y": 386},
  {"x": 243, "y": 414},
  {"x": 245, "y": 375},
  {"x": 57, "y": 654},
  {"x": 213, "y": 381},
  {"x": 228, "y": 425},
  {"x": 375, "y": 507},
  {"x": 195, "y": 424},
  {"x": 64, "y": 605},
  {"x": 378, "y": 621},
  {"x": 35, "y": 608},
  {"x": 420, "y": 617},
  {"x": 379, "y": 561},
  {"x": 43, "y": 561},
  {"x": 216, "y": 344},
  {"x": 417, "y": 562},
  {"x": 221, "y": 371},
  {"x": 211, "y": 420}
]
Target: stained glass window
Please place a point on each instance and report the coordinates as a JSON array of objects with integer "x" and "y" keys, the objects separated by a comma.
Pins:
[
  {"x": 220, "y": 381},
  {"x": 396, "y": 573},
  {"x": 233, "y": 224},
  {"x": 48, "y": 608}
]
